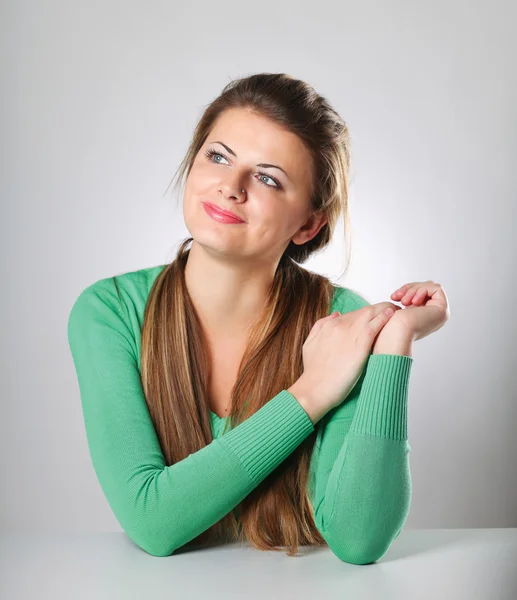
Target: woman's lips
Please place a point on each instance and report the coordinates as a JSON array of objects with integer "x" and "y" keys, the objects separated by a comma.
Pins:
[{"x": 220, "y": 216}]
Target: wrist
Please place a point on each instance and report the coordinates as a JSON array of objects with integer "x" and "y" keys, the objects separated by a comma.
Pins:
[
  {"x": 394, "y": 340},
  {"x": 300, "y": 392}
]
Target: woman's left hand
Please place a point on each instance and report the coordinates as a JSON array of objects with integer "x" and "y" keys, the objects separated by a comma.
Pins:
[{"x": 427, "y": 309}]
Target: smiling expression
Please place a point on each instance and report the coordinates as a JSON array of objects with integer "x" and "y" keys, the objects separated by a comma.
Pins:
[{"x": 245, "y": 150}]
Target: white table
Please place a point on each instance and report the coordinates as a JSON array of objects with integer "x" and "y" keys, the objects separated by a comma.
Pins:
[{"x": 459, "y": 564}]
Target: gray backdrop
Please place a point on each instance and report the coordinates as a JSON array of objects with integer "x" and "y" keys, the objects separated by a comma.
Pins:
[{"x": 99, "y": 102}]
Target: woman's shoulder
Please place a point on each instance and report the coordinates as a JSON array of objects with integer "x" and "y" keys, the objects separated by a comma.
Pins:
[
  {"x": 126, "y": 292},
  {"x": 140, "y": 279},
  {"x": 136, "y": 282},
  {"x": 346, "y": 299}
]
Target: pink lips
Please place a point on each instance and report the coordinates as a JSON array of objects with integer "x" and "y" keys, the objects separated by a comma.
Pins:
[{"x": 218, "y": 215}]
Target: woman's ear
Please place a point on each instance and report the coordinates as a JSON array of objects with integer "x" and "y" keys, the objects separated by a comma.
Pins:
[{"x": 310, "y": 228}]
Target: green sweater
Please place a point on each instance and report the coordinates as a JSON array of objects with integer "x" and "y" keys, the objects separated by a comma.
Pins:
[{"x": 360, "y": 481}]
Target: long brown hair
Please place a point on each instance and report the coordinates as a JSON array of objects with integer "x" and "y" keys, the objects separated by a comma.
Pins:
[{"x": 174, "y": 360}]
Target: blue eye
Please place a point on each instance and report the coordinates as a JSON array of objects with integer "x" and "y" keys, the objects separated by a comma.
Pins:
[{"x": 211, "y": 152}]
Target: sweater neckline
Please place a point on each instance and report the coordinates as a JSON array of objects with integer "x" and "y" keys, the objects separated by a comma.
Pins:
[{"x": 217, "y": 417}]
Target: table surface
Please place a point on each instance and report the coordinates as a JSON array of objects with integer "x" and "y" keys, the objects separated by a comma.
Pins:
[{"x": 457, "y": 564}]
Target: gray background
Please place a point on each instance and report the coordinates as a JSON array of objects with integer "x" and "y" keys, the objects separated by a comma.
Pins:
[{"x": 99, "y": 102}]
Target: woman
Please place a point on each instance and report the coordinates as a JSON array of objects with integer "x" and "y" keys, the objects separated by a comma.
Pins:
[{"x": 232, "y": 393}]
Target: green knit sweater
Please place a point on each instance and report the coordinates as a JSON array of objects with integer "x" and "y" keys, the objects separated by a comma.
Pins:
[{"x": 360, "y": 481}]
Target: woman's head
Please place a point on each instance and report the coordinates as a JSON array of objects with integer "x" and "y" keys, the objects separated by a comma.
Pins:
[
  {"x": 277, "y": 120},
  {"x": 273, "y": 119}
]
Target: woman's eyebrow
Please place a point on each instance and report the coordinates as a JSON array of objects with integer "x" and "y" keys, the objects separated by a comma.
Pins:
[{"x": 265, "y": 165}]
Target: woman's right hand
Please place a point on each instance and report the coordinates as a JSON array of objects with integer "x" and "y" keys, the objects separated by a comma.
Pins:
[{"x": 335, "y": 354}]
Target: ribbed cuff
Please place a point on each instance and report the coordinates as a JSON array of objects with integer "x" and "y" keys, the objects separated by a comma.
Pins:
[
  {"x": 383, "y": 401},
  {"x": 270, "y": 435}
]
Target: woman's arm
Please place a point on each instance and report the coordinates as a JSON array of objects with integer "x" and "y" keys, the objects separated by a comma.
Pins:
[{"x": 360, "y": 471}]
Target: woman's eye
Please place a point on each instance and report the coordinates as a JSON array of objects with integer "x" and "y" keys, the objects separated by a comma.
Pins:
[
  {"x": 268, "y": 177},
  {"x": 211, "y": 153}
]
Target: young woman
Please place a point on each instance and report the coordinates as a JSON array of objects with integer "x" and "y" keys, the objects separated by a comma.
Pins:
[{"x": 232, "y": 393}]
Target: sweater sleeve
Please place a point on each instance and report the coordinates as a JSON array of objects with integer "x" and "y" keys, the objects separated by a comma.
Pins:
[
  {"x": 162, "y": 507},
  {"x": 361, "y": 480}
]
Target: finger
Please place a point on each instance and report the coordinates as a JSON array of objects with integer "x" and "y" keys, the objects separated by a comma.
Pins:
[
  {"x": 397, "y": 294},
  {"x": 380, "y": 306},
  {"x": 319, "y": 324},
  {"x": 409, "y": 295},
  {"x": 406, "y": 292},
  {"x": 420, "y": 296},
  {"x": 374, "y": 310},
  {"x": 380, "y": 319},
  {"x": 401, "y": 291}
]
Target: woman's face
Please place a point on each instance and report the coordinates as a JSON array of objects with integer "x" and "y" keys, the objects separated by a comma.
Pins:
[{"x": 276, "y": 203}]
